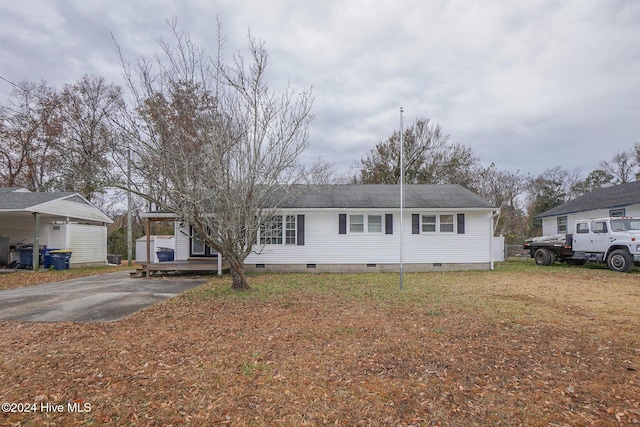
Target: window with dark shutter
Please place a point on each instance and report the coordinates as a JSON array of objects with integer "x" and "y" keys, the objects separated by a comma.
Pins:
[
  {"x": 342, "y": 223},
  {"x": 300, "y": 225},
  {"x": 460, "y": 223},
  {"x": 415, "y": 224},
  {"x": 388, "y": 224}
]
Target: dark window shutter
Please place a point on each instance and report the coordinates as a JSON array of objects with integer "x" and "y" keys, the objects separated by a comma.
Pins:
[
  {"x": 342, "y": 223},
  {"x": 415, "y": 224},
  {"x": 300, "y": 231},
  {"x": 388, "y": 224},
  {"x": 460, "y": 223}
]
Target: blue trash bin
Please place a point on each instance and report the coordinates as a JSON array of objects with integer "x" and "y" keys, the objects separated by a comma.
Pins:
[
  {"x": 45, "y": 255},
  {"x": 60, "y": 259},
  {"x": 26, "y": 256},
  {"x": 165, "y": 254}
]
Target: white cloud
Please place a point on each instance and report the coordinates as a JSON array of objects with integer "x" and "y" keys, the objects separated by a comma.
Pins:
[{"x": 528, "y": 85}]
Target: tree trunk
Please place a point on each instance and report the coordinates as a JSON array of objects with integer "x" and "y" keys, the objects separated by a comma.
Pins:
[{"x": 238, "y": 276}]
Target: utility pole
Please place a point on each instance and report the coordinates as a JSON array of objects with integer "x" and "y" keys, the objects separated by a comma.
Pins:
[
  {"x": 401, "y": 198},
  {"x": 129, "y": 221}
]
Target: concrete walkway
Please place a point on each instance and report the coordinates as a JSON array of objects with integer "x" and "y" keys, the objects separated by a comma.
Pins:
[{"x": 90, "y": 299}]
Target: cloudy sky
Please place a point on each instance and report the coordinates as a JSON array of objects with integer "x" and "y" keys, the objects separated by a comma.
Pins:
[{"x": 527, "y": 84}]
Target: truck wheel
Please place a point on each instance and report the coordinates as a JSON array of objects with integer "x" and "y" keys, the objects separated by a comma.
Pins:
[
  {"x": 542, "y": 257},
  {"x": 551, "y": 257},
  {"x": 620, "y": 261}
]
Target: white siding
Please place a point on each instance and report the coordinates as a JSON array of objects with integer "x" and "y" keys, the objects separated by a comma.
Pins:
[
  {"x": 323, "y": 244},
  {"x": 498, "y": 249},
  {"x": 58, "y": 236},
  {"x": 182, "y": 242},
  {"x": 21, "y": 230},
  {"x": 550, "y": 224},
  {"x": 141, "y": 250},
  {"x": 156, "y": 242},
  {"x": 472, "y": 247},
  {"x": 88, "y": 243}
]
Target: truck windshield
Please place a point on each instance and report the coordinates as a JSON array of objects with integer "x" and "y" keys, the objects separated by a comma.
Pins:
[{"x": 625, "y": 224}]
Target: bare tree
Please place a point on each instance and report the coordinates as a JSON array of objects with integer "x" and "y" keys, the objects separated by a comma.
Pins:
[
  {"x": 429, "y": 158},
  {"x": 622, "y": 165},
  {"x": 505, "y": 190},
  {"x": 322, "y": 173},
  {"x": 90, "y": 109},
  {"x": 553, "y": 187},
  {"x": 31, "y": 127},
  {"x": 214, "y": 144}
]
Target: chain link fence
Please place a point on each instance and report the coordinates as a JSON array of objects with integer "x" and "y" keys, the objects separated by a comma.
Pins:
[{"x": 515, "y": 251}]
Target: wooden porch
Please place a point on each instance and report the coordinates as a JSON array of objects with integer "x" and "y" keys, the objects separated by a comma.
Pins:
[
  {"x": 203, "y": 265},
  {"x": 191, "y": 266}
]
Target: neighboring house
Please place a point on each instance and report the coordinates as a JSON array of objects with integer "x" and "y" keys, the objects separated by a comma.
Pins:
[
  {"x": 52, "y": 220},
  {"x": 619, "y": 200},
  {"x": 356, "y": 228}
]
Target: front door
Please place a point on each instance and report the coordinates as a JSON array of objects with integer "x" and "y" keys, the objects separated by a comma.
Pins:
[{"x": 198, "y": 248}]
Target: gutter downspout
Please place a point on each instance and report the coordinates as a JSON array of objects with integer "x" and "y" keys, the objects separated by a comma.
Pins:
[{"x": 494, "y": 215}]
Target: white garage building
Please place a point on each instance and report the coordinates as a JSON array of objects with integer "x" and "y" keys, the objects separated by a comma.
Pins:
[{"x": 52, "y": 220}]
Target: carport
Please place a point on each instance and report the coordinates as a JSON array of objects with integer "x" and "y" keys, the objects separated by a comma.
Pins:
[{"x": 60, "y": 220}]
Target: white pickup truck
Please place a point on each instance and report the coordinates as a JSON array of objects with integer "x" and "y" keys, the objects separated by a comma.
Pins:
[{"x": 614, "y": 241}]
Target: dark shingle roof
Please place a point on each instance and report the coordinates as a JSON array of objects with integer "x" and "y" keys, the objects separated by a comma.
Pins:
[
  {"x": 602, "y": 198},
  {"x": 13, "y": 198},
  {"x": 9, "y": 189},
  {"x": 388, "y": 196}
]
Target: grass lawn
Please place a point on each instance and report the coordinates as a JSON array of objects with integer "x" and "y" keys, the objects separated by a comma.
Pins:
[{"x": 521, "y": 345}]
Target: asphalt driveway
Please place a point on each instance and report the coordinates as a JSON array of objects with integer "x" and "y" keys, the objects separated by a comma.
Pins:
[{"x": 90, "y": 299}]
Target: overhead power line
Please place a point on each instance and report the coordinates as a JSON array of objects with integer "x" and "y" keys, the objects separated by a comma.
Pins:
[{"x": 13, "y": 84}]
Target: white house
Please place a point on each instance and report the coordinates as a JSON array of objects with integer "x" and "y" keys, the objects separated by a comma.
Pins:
[
  {"x": 52, "y": 220},
  {"x": 357, "y": 228},
  {"x": 619, "y": 200}
]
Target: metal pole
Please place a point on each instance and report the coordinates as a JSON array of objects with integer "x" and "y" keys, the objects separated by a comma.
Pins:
[
  {"x": 148, "y": 233},
  {"x": 401, "y": 199},
  {"x": 36, "y": 241},
  {"x": 129, "y": 219}
]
